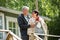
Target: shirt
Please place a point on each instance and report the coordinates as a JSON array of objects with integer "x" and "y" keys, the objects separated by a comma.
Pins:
[{"x": 26, "y": 18}]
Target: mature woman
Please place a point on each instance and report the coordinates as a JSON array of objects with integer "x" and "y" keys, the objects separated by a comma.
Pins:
[{"x": 38, "y": 22}]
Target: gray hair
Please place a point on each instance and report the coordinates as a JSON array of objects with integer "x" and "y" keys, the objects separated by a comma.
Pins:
[{"x": 25, "y": 7}]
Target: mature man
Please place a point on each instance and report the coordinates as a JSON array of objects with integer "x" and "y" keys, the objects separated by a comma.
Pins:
[{"x": 23, "y": 23}]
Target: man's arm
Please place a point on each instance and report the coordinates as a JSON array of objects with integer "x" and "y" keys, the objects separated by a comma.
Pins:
[{"x": 21, "y": 25}]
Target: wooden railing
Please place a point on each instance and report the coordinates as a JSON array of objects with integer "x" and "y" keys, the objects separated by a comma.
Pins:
[
  {"x": 48, "y": 35},
  {"x": 37, "y": 37},
  {"x": 11, "y": 35}
]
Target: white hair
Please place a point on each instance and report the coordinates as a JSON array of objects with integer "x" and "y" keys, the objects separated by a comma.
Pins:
[{"x": 25, "y": 7}]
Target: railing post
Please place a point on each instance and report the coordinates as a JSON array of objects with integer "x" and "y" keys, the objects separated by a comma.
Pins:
[
  {"x": 9, "y": 37},
  {"x": 32, "y": 35}
]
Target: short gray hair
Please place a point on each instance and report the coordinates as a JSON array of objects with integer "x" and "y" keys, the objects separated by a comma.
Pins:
[{"x": 25, "y": 7}]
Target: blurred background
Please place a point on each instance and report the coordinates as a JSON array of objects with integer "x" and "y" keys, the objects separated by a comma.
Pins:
[{"x": 48, "y": 8}]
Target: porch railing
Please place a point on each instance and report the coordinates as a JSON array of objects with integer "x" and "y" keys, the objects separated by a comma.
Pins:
[
  {"x": 10, "y": 35},
  {"x": 48, "y": 35}
]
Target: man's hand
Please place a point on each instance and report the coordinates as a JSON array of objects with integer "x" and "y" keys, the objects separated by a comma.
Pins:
[{"x": 32, "y": 25}]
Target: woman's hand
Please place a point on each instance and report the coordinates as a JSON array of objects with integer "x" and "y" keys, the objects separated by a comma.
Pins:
[{"x": 32, "y": 25}]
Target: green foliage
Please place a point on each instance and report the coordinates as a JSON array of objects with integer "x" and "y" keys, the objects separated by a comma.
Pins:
[
  {"x": 51, "y": 8},
  {"x": 18, "y": 4}
]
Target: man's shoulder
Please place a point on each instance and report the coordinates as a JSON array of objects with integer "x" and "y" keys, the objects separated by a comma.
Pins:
[{"x": 20, "y": 15}]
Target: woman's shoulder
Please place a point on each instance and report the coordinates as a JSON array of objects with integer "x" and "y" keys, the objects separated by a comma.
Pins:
[{"x": 40, "y": 18}]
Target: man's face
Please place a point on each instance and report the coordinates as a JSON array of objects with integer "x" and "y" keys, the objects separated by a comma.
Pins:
[{"x": 25, "y": 11}]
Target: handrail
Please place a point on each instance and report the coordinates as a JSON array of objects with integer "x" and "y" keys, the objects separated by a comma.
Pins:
[
  {"x": 48, "y": 35},
  {"x": 34, "y": 34},
  {"x": 37, "y": 37},
  {"x": 11, "y": 34}
]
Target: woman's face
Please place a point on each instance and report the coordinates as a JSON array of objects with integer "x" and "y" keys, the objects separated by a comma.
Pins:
[{"x": 34, "y": 15}]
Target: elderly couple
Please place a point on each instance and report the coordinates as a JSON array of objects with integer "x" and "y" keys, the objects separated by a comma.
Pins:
[{"x": 27, "y": 21}]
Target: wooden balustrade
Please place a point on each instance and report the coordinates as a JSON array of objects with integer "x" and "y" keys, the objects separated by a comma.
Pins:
[{"x": 11, "y": 35}]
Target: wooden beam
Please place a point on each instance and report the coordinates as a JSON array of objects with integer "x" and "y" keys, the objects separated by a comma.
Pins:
[
  {"x": 9, "y": 10},
  {"x": 36, "y": 4}
]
